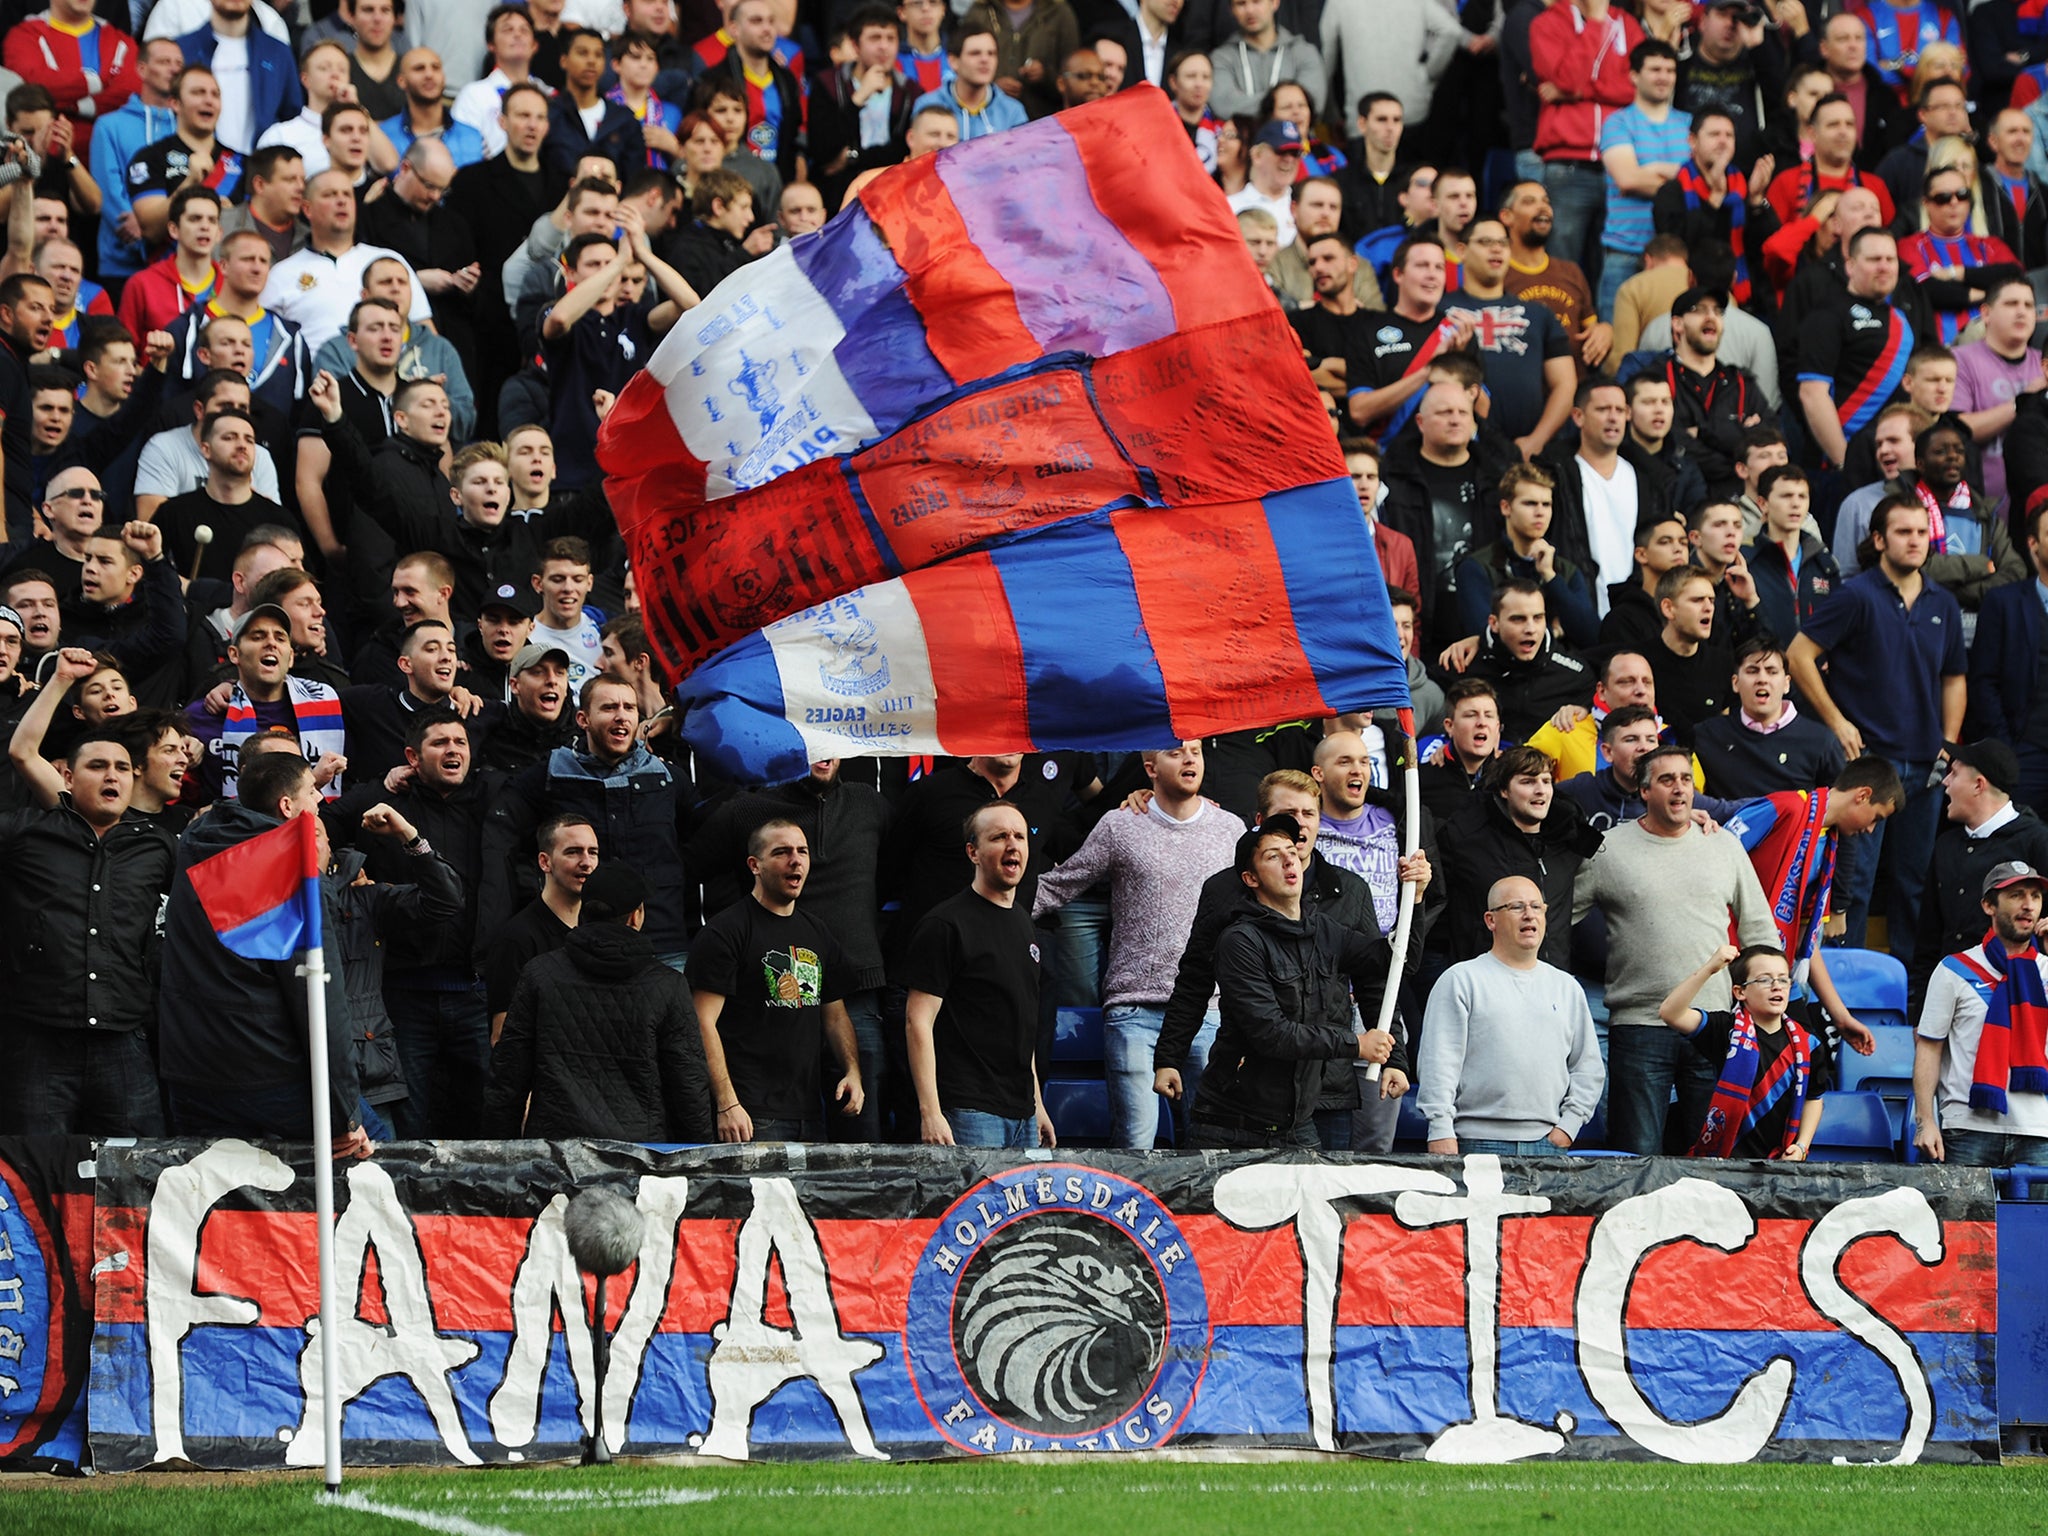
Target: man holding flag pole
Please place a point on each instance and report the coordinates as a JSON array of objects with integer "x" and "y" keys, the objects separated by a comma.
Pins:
[{"x": 245, "y": 1048}]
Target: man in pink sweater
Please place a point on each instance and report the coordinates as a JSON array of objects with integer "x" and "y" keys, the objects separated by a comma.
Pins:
[{"x": 1155, "y": 861}]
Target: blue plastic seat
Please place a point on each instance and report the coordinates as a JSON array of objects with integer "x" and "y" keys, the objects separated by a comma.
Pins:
[
  {"x": 1854, "y": 1128},
  {"x": 1411, "y": 1128},
  {"x": 1871, "y": 983},
  {"x": 1077, "y": 1035},
  {"x": 1079, "y": 1108},
  {"x": 1892, "y": 1060}
]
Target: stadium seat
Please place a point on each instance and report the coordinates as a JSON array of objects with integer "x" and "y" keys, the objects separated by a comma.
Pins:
[
  {"x": 1077, "y": 1035},
  {"x": 1888, "y": 1073},
  {"x": 1854, "y": 1128},
  {"x": 1411, "y": 1133},
  {"x": 1593, "y": 1134},
  {"x": 1079, "y": 1108},
  {"x": 1872, "y": 985}
]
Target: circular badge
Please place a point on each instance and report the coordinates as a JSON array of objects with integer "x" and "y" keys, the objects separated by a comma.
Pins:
[
  {"x": 1050, "y": 768},
  {"x": 1057, "y": 1308}
]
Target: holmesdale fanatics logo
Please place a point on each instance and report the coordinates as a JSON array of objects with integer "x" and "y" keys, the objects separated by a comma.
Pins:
[{"x": 1056, "y": 1308}]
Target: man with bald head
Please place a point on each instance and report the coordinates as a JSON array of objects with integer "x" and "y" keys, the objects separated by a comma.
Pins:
[
  {"x": 1509, "y": 1061},
  {"x": 410, "y": 220},
  {"x": 428, "y": 114},
  {"x": 317, "y": 287},
  {"x": 1437, "y": 482},
  {"x": 73, "y": 509}
]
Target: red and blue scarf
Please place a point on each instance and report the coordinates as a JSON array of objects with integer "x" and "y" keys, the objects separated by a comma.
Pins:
[
  {"x": 1743, "y": 1097},
  {"x": 1735, "y": 203},
  {"x": 1795, "y": 865},
  {"x": 2012, "y": 1051}
]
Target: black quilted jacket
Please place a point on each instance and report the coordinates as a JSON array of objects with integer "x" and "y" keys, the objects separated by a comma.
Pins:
[{"x": 603, "y": 1038}]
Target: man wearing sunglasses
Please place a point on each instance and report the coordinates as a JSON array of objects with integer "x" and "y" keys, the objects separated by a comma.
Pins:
[{"x": 73, "y": 508}]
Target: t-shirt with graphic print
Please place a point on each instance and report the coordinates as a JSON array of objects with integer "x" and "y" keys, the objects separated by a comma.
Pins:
[{"x": 776, "y": 975}]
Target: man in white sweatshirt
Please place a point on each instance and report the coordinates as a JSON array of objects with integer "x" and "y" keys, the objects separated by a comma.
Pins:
[
  {"x": 1510, "y": 1061},
  {"x": 1156, "y": 862},
  {"x": 1669, "y": 891}
]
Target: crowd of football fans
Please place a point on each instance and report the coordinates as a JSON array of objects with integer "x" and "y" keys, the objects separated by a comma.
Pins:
[{"x": 1684, "y": 359}]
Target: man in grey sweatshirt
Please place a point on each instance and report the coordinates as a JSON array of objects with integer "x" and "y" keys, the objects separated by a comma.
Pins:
[
  {"x": 1510, "y": 1061},
  {"x": 1669, "y": 892}
]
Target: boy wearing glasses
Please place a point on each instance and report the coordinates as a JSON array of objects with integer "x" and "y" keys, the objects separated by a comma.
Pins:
[{"x": 1767, "y": 1102}]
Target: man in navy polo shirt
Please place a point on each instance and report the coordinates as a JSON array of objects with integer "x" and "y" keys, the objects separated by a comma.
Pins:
[{"x": 1896, "y": 686}]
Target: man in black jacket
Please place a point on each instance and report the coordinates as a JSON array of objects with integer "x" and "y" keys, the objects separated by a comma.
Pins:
[
  {"x": 1287, "y": 981},
  {"x": 78, "y": 943},
  {"x": 1532, "y": 679},
  {"x": 232, "y": 1033},
  {"x": 1516, "y": 824},
  {"x": 601, "y": 1040},
  {"x": 1984, "y": 829},
  {"x": 431, "y": 985},
  {"x": 839, "y": 138}
]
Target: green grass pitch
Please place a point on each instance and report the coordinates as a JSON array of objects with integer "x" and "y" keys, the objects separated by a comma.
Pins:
[{"x": 1122, "y": 1497}]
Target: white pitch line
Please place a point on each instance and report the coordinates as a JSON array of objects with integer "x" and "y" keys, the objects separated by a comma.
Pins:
[{"x": 445, "y": 1525}]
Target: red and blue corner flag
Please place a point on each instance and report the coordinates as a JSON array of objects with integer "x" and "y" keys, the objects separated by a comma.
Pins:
[{"x": 263, "y": 896}]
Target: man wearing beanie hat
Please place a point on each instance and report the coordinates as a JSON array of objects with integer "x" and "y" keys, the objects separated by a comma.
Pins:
[
  {"x": 601, "y": 1040},
  {"x": 1287, "y": 983},
  {"x": 1983, "y": 829}
]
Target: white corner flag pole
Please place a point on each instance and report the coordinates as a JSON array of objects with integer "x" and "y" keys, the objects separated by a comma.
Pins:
[
  {"x": 315, "y": 971},
  {"x": 1404, "y": 921}
]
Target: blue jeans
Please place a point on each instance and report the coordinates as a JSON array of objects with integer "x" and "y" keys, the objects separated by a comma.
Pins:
[
  {"x": 1130, "y": 1034},
  {"x": 1578, "y": 204},
  {"x": 1333, "y": 1130},
  {"x": 865, "y": 1009},
  {"x": 378, "y": 1127},
  {"x": 1510, "y": 1148},
  {"x": 1644, "y": 1063},
  {"x": 1990, "y": 1149},
  {"x": 1616, "y": 268},
  {"x": 1528, "y": 164},
  {"x": 285, "y": 1114},
  {"x": 79, "y": 1082},
  {"x": 1214, "y": 1135},
  {"x": 1911, "y": 831},
  {"x": 1080, "y": 942},
  {"x": 444, "y": 1045},
  {"x": 977, "y": 1128},
  {"x": 789, "y": 1130}
]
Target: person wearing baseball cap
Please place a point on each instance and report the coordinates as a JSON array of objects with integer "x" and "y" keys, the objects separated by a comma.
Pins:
[
  {"x": 14, "y": 684},
  {"x": 1980, "y": 1064},
  {"x": 1986, "y": 828},
  {"x": 1275, "y": 161},
  {"x": 504, "y": 623},
  {"x": 537, "y": 715},
  {"x": 1253, "y": 1095},
  {"x": 1712, "y": 401}
]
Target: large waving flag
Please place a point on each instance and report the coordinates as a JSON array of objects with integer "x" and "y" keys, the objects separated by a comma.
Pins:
[
  {"x": 1017, "y": 452},
  {"x": 263, "y": 896}
]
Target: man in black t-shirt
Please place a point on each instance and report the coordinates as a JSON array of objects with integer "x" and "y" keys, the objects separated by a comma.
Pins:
[
  {"x": 768, "y": 982},
  {"x": 568, "y": 855},
  {"x": 1853, "y": 349},
  {"x": 972, "y": 1014},
  {"x": 1783, "y": 1102},
  {"x": 1336, "y": 326},
  {"x": 1384, "y": 383},
  {"x": 1530, "y": 371}
]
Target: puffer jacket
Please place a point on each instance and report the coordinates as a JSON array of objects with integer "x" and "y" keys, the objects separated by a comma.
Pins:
[
  {"x": 224, "y": 1022},
  {"x": 601, "y": 1040},
  {"x": 367, "y": 913},
  {"x": 1287, "y": 986}
]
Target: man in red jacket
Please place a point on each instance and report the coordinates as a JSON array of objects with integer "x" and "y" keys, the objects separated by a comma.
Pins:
[
  {"x": 1579, "y": 50},
  {"x": 157, "y": 295},
  {"x": 88, "y": 67}
]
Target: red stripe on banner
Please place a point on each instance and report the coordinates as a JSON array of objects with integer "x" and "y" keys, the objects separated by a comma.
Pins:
[
  {"x": 1215, "y": 605},
  {"x": 1201, "y": 260},
  {"x": 978, "y": 673},
  {"x": 969, "y": 312},
  {"x": 986, "y": 465},
  {"x": 1209, "y": 411},
  {"x": 1392, "y": 1276}
]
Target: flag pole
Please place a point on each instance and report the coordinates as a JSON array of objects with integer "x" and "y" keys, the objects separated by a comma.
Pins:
[
  {"x": 1404, "y": 921},
  {"x": 315, "y": 972}
]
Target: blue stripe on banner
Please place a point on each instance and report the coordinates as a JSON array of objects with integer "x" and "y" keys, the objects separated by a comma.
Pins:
[
  {"x": 1338, "y": 595},
  {"x": 1079, "y": 283},
  {"x": 884, "y": 358},
  {"x": 733, "y": 711},
  {"x": 242, "y": 1383},
  {"x": 1091, "y": 679}
]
